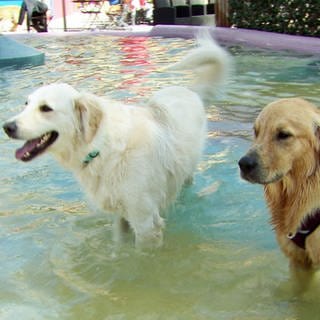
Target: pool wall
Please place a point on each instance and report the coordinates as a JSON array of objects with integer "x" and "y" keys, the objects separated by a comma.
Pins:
[
  {"x": 245, "y": 37},
  {"x": 228, "y": 36},
  {"x": 19, "y": 55}
]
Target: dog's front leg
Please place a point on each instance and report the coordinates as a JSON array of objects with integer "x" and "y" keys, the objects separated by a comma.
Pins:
[
  {"x": 147, "y": 226},
  {"x": 301, "y": 276},
  {"x": 313, "y": 247},
  {"x": 121, "y": 229}
]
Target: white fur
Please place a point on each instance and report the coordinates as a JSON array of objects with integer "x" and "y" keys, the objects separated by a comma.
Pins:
[{"x": 147, "y": 152}]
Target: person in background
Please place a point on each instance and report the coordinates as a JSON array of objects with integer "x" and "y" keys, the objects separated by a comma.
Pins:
[
  {"x": 36, "y": 14},
  {"x": 131, "y": 8}
]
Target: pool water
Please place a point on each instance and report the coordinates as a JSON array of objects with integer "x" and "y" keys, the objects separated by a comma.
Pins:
[{"x": 220, "y": 259}]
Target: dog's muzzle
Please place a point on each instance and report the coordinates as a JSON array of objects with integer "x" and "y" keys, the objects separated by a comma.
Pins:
[
  {"x": 11, "y": 129},
  {"x": 249, "y": 167},
  {"x": 32, "y": 147}
]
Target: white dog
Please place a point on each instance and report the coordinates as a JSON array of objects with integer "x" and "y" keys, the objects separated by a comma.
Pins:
[{"x": 131, "y": 160}]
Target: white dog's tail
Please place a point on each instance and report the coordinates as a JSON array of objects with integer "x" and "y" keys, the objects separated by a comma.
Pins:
[{"x": 211, "y": 65}]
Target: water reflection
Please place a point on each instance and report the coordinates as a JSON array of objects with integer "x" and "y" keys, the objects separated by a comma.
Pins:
[{"x": 220, "y": 259}]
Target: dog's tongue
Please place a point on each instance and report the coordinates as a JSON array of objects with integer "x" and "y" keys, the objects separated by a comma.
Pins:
[{"x": 29, "y": 146}]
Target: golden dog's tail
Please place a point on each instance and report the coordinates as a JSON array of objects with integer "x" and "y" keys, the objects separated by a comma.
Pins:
[{"x": 211, "y": 65}]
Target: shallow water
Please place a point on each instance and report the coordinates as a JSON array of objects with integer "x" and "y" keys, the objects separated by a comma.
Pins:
[{"x": 220, "y": 259}]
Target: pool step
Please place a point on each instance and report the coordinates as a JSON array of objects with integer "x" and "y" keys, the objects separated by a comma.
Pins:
[{"x": 17, "y": 55}]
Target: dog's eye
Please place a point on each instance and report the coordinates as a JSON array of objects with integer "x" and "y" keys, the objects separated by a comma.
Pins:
[
  {"x": 283, "y": 135},
  {"x": 45, "y": 108}
]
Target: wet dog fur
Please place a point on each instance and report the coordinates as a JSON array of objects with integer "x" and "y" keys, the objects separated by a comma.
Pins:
[
  {"x": 131, "y": 160},
  {"x": 285, "y": 159}
]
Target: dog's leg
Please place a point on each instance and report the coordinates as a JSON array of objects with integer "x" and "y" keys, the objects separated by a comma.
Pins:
[
  {"x": 312, "y": 247},
  {"x": 301, "y": 277},
  {"x": 189, "y": 181},
  {"x": 121, "y": 229},
  {"x": 147, "y": 226}
]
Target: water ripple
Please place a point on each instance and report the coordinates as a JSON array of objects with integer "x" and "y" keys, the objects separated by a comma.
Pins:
[{"x": 56, "y": 254}]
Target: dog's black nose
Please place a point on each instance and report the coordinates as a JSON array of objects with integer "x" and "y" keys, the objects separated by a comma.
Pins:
[
  {"x": 248, "y": 163},
  {"x": 10, "y": 129}
]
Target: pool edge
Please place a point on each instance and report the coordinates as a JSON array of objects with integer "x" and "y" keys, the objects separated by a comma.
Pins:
[
  {"x": 229, "y": 36},
  {"x": 245, "y": 37},
  {"x": 16, "y": 55}
]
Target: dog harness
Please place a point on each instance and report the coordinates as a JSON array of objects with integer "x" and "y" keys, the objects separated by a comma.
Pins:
[
  {"x": 90, "y": 156},
  {"x": 309, "y": 224}
]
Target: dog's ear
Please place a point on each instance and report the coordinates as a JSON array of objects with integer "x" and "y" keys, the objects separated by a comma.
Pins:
[{"x": 89, "y": 115}]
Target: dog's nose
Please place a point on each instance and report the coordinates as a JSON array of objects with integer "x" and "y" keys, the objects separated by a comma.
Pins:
[
  {"x": 248, "y": 163},
  {"x": 10, "y": 129}
]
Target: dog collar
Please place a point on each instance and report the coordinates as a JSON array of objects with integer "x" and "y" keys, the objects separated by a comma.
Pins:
[
  {"x": 90, "y": 156},
  {"x": 309, "y": 224}
]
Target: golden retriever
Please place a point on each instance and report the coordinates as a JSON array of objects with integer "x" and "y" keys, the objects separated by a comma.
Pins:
[
  {"x": 131, "y": 160},
  {"x": 285, "y": 158}
]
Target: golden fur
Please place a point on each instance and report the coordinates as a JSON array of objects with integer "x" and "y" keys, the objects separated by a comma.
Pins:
[{"x": 286, "y": 154}]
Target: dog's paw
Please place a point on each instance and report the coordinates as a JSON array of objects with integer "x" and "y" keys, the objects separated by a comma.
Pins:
[{"x": 149, "y": 241}]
